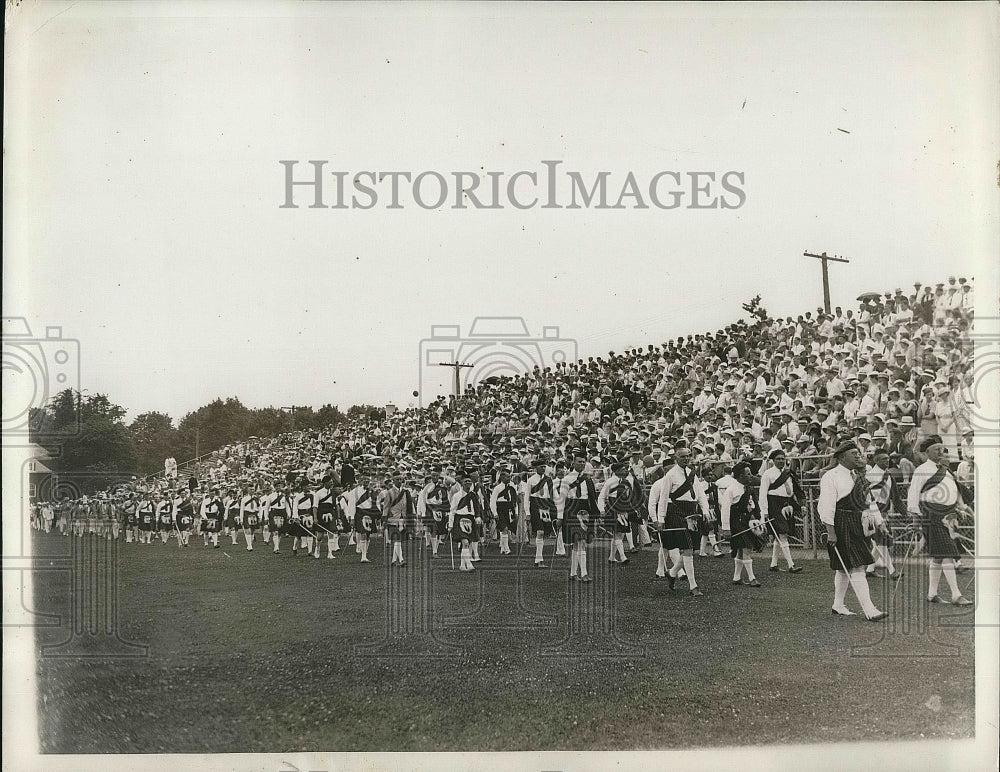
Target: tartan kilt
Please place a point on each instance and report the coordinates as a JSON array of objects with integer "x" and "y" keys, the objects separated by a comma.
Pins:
[
  {"x": 276, "y": 522},
  {"x": 572, "y": 528},
  {"x": 677, "y": 514},
  {"x": 939, "y": 541},
  {"x": 740, "y": 521},
  {"x": 505, "y": 517},
  {"x": 464, "y": 528},
  {"x": 439, "y": 520},
  {"x": 251, "y": 520},
  {"x": 782, "y": 525},
  {"x": 213, "y": 524},
  {"x": 852, "y": 544},
  {"x": 396, "y": 529},
  {"x": 233, "y": 518},
  {"x": 365, "y": 521},
  {"x": 541, "y": 517}
]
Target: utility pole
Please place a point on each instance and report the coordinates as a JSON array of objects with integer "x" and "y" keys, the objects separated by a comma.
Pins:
[
  {"x": 197, "y": 441},
  {"x": 826, "y": 276},
  {"x": 457, "y": 365}
]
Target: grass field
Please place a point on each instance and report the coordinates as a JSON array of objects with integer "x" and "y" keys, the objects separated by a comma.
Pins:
[{"x": 252, "y": 652}]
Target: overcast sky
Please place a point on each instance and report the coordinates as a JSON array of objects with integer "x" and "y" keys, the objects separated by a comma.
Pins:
[{"x": 142, "y": 183}]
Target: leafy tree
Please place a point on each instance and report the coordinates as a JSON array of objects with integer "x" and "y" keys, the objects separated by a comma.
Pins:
[{"x": 155, "y": 439}]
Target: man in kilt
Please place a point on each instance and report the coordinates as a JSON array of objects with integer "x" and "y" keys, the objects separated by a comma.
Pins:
[
  {"x": 277, "y": 512},
  {"x": 540, "y": 504},
  {"x": 580, "y": 511},
  {"x": 361, "y": 500},
  {"x": 438, "y": 507},
  {"x": 146, "y": 511},
  {"x": 778, "y": 500},
  {"x": 231, "y": 505},
  {"x": 213, "y": 510},
  {"x": 302, "y": 519},
  {"x": 250, "y": 515},
  {"x": 742, "y": 519},
  {"x": 130, "y": 511},
  {"x": 934, "y": 501},
  {"x": 503, "y": 504},
  {"x": 183, "y": 515},
  {"x": 615, "y": 503},
  {"x": 677, "y": 516},
  {"x": 325, "y": 505},
  {"x": 398, "y": 511},
  {"x": 843, "y": 497},
  {"x": 464, "y": 515},
  {"x": 888, "y": 500}
]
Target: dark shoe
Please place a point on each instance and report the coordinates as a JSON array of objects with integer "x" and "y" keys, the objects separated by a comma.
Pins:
[
  {"x": 575, "y": 578},
  {"x": 962, "y": 569},
  {"x": 961, "y": 600},
  {"x": 696, "y": 592},
  {"x": 737, "y": 582},
  {"x": 896, "y": 575},
  {"x": 754, "y": 583},
  {"x": 935, "y": 599},
  {"x": 845, "y": 613},
  {"x": 795, "y": 570},
  {"x": 671, "y": 580},
  {"x": 539, "y": 565},
  {"x": 624, "y": 562},
  {"x": 587, "y": 578},
  {"x": 878, "y": 617},
  {"x": 774, "y": 569}
]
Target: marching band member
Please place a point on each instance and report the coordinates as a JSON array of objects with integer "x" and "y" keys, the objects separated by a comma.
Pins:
[
  {"x": 778, "y": 503},
  {"x": 503, "y": 503},
  {"x": 464, "y": 513},
  {"x": 250, "y": 515},
  {"x": 184, "y": 516},
  {"x": 540, "y": 505},
  {"x": 147, "y": 518},
  {"x": 615, "y": 502},
  {"x": 325, "y": 510},
  {"x": 213, "y": 509},
  {"x": 741, "y": 517},
  {"x": 438, "y": 505},
  {"x": 277, "y": 511},
  {"x": 843, "y": 496},
  {"x": 397, "y": 510},
  {"x": 302, "y": 519},
  {"x": 231, "y": 506},
  {"x": 887, "y": 499},
  {"x": 365, "y": 518},
  {"x": 933, "y": 498},
  {"x": 164, "y": 523},
  {"x": 678, "y": 506},
  {"x": 579, "y": 513}
]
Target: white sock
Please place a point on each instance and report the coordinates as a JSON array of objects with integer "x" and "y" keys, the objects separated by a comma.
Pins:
[
  {"x": 887, "y": 557},
  {"x": 474, "y": 547},
  {"x": 748, "y": 565},
  {"x": 249, "y": 538},
  {"x": 840, "y": 585},
  {"x": 466, "y": 558},
  {"x": 860, "y": 584},
  {"x": 675, "y": 562},
  {"x": 329, "y": 545},
  {"x": 933, "y": 579},
  {"x": 336, "y": 542},
  {"x": 539, "y": 544},
  {"x": 350, "y": 539},
  {"x": 948, "y": 567},
  {"x": 621, "y": 549},
  {"x": 364, "y": 549},
  {"x": 738, "y": 566},
  {"x": 504, "y": 544},
  {"x": 787, "y": 553},
  {"x": 661, "y": 562},
  {"x": 397, "y": 551},
  {"x": 215, "y": 539},
  {"x": 774, "y": 554},
  {"x": 630, "y": 539},
  {"x": 644, "y": 538},
  {"x": 583, "y": 560},
  {"x": 560, "y": 545},
  {"x": 713, "y": 543},
  {"x": 689, "y": 568},
  {"x": 277, "y": 542},
  {"x": 574, "y": 560}
]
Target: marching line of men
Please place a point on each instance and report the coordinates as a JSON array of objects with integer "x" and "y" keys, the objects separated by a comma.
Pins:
[{"x": 687, "y": 511}]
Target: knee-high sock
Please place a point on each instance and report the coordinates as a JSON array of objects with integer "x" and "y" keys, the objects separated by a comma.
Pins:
[
  {"x": 574, "y": 559},
  {"x": 364, "y": 548},
  {"x": 248, "y": 535},
  {"x": 738, "y": 566},
  {"x": 329, "y": 545},
  {"x": 748, "y": 565},
  {"x": 629, "y": 538},
  {"x": 215, "y": 539},
  {"x": 661, "y": 562},
  {"x": 933, "y": 578},
  {"x": 435, "y": 542},
  {"x": 336, "y": 542},
  {"x": 887, "y": 558},
  {"x": 676, "y": 563},
  {"x": 504, "y": 545},
  {"x": 774, "y": 553},
  {"x": 621, "y": 549},
  {"x": 840, "y": 585},
  {"x": 859, "y": 582},
  {"x": 644, "y": 538},
  {"x": 466, "y": 558},
  {"x": 583, "y": 559},
  {"x": 560, "y": 544},
  {"x": 948, "y": 567},
  {"x": 787, "y": 552},
  {"x": 688, "y": 561},
  {"x": 397, "y": 551},
  {"x": 277, "y": 541},
  {"x": 539, "y": 544},
  {"x": 713, "y": 542},
  {"x": 474, "y": 548}
]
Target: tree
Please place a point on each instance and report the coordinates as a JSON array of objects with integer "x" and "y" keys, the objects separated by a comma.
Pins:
[{"x": 154, "y": 438}]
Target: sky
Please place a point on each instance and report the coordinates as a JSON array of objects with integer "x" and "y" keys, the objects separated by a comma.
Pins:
[{"x": 143, "y": 184}]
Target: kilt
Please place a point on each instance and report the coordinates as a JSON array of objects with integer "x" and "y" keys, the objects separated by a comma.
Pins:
[
  {"x": 573, "y": 529},
  {"x": 621, "y": 523},
  {"x": 276, "y": 522},
  {"x": 365, "y": 521},
  {"x": 464, "y": 528},
  {"x": 396, "y": 530},
  {"x": 782, "y": 525},
  {"x": 343, "y": 524},
  {"x": 852, "y": 544},
  {"x": 748, "y": 540},
  {"x": 184, "y": 523},
  {"x": 939, "y": 541},
  {"x": 251, "y": 520},
  {"x": 213, "y": 524},
  {"x": 146, "y": 522},
  {"x": 165, "y": 524},
  {"x": 233, "y": 518},
  {"x": 505, "y": 516},
  {"x": 675, "y": 534},
  {"x": 131, "y": 519},
  {"x": 325, "y": 524},
  {"x": 541, "y": 515}
]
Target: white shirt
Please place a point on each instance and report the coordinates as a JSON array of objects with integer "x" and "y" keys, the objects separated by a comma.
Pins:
[
  {"x": 833, "y": 486},
  {"x": 944, "y": 493},
  {"x": 769, "y": 476},
  {"x": 732, "y": 493}
]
